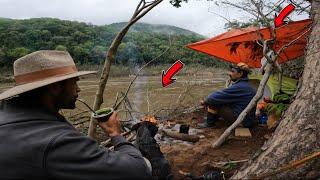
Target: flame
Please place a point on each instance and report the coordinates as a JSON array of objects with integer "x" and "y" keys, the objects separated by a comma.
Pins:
[{"x": 150, "y": 118}]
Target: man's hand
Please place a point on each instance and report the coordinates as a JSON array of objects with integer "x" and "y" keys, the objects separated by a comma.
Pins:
[
  {"x": 112, "y": 126},
  {"x": 203, "y": 104}
]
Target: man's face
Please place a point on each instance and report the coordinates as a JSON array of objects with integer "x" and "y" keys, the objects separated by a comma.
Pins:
[
  {"x": 234, "y": 74},
  {"x": 69, "y": 94}
]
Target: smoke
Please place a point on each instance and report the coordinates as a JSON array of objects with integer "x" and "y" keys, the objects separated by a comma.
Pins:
[
  {"x": 139, "y": 90},
  {"x": 134, "y": 58}
]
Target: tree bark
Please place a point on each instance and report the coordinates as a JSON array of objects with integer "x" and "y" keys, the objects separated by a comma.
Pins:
[{"x": 298, "y": 133}]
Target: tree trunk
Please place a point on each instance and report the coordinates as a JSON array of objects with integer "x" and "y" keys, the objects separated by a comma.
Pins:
[
  {"x": 104, "y": 77},
  {"x": 142, "y": 9},
  {"x": 298, "y": 134}
]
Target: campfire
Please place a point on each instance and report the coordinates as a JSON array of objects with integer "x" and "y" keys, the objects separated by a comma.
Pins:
[{"x": 150, "y": 118}]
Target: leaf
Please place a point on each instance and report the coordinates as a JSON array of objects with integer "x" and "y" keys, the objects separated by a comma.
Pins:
[{"x": 230, "y": 165}]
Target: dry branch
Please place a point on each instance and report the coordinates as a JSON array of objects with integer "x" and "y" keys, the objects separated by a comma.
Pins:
[
  {"x": 137, "y": 74},
  {"x": 141, "y": 10},
  {"x": 221, "y": 164}
]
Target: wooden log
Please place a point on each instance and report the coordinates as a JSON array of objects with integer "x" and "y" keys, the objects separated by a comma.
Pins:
[{"x": 181, "y": 136}]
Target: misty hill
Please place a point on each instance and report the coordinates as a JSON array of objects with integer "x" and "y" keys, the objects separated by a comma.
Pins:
[
  {"x": 88, "y": 43},
  {"x": 156, "y": 28}
]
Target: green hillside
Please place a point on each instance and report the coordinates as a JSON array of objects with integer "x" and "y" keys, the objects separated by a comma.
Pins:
[
  {"x": 88, "y": 43},
  {"x": 156, "y": 28}
]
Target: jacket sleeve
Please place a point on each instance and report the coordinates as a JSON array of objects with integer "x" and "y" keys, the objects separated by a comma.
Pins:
[
  {"x": 225, "y": 96},
  {"x": 75, "y": 156}
]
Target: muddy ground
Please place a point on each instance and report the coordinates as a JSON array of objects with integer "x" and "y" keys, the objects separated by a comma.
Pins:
[{"x": 200, "y": 158}]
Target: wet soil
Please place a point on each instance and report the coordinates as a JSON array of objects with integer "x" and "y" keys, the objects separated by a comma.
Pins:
[{"x": 200, "y": 158}]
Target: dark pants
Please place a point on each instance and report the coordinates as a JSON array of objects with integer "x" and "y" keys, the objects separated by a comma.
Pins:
[{"x": 225, "y": 112}]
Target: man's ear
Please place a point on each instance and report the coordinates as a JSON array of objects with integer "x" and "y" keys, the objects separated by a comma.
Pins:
[
  {"x": 241, "y": 73},
  {"x": 55, "y": 89}
]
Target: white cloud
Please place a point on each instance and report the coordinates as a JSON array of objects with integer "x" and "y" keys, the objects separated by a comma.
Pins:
[{"x": 193, "y": 15}]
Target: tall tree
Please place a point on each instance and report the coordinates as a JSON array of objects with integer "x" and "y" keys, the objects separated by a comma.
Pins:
[{"x": 298, "y": 134}]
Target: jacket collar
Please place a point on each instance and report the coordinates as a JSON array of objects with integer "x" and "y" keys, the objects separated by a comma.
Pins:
[
  {"x": 241, "y": 79},
  {"x": 14, "y": 111}
]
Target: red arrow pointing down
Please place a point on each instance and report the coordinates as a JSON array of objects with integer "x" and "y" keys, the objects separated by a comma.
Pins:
[
  {"x": 174, "y": 69},
  {"x": 279, "y": 20}
]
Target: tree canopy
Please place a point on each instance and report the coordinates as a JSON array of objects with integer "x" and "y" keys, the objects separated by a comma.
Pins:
[{"x": 88, "y": 43}]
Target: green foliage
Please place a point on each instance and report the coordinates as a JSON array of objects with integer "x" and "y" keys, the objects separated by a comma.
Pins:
[
  {"x": 230, "y": 165},
  {"x": 279, "y": 105},
  {"x": 88, "y": 44},
  {"x": 278, "y": 98},
  {"x": 61, "y": 48},
  {"x": 235, "y": 24},
  {"x": 278, "y": 108},
  {"x": 177, "y": 3},
  {"x": 18, "y": 52}
]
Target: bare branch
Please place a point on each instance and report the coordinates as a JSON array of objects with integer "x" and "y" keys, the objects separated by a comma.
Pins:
[
  {"x": 146, "y": 10},
  {"x": 137, "y": 9},
  {"x": 259, "y": 10},
  {"x": 300, "y": 8},
  {"x": 219, "y": 15},
  {"x": 137, "y": 74},
  {"x": 248, "y": 10},
  {"x": 275, "y": 6},
  {"x": 293, "y": 41},
  {"x": 110, "y": 57}
]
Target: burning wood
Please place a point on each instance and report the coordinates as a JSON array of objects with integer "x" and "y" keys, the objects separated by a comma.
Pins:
[{"x": 150, "y": 118}]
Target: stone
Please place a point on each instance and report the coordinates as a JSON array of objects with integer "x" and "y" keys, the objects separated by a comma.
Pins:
[{"x": 242, "y": 132}]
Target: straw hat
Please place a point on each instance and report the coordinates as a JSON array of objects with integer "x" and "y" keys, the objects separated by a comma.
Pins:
[
  {"x": 42, "y": 68},
  {"x": 241, "y": 66}
]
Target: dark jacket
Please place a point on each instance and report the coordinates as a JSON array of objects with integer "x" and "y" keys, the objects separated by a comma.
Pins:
[
  {"x": 237, "y": 96},
  {"x": 37, "y": 144}
]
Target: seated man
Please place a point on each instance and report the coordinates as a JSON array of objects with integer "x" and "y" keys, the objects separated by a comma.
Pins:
[{"x": 230, "y": 102}]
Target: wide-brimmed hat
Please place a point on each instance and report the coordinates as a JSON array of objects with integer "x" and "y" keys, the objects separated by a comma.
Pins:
[{"x": 42, "y": 68}]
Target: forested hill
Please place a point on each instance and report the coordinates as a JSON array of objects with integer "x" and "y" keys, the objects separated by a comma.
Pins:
[
  {"x": 156, "y": 28},
  {"x": 88, "y": 43}
]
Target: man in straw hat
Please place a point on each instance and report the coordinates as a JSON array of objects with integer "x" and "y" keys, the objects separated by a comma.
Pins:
[
  {"x": 230, "y": 102},
  {"x": 39, "y": 143}
]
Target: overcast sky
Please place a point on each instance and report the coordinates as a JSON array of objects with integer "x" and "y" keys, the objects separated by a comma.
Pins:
[{"x": 196, "y": 15}]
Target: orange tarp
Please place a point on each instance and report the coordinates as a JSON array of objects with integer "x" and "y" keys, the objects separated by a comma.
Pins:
[{"x": 239, "y": 45}]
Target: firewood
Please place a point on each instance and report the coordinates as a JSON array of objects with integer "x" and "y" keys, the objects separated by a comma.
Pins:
[{"x": 181, "y": 136}]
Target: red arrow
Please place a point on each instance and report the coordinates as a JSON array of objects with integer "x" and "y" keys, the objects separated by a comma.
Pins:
[
  {"x": 174, "y": 69},
  {"x": 279, "y": 20}
]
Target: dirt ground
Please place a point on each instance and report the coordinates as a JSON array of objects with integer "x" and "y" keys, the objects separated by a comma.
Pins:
[{"x": 200, "y": 158}]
